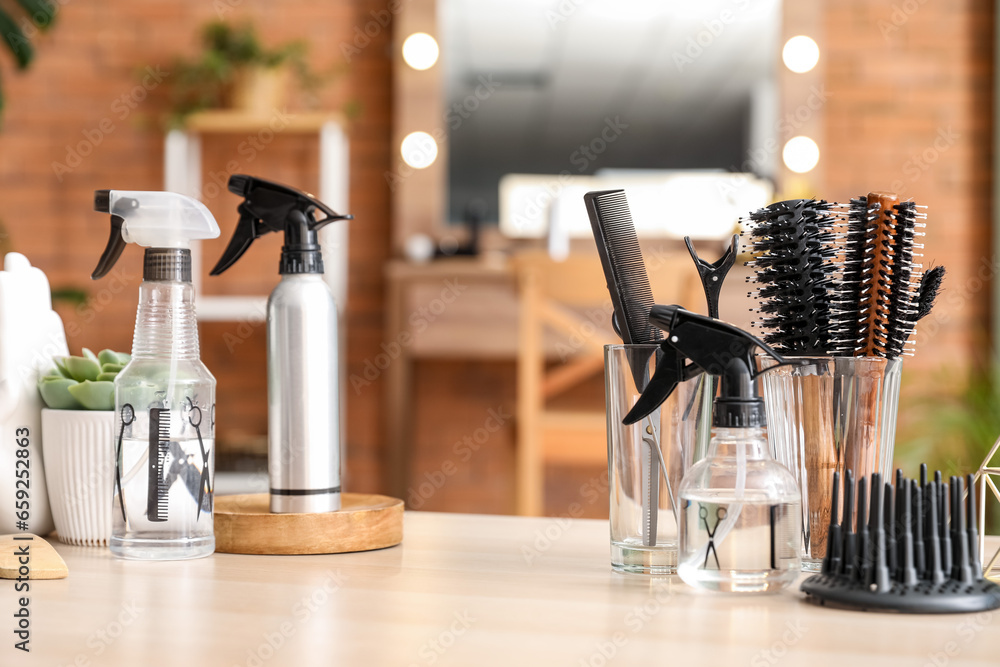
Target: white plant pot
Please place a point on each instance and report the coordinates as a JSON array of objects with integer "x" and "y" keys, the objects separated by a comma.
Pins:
[{"x": 78, "y": 448}]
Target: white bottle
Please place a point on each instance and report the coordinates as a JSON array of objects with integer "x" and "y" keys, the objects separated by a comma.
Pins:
[{"x": 31, "y": 334}]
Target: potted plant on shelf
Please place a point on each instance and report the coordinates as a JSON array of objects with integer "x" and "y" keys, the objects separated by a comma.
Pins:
[
  {"x": 78, "y": 443},
  {"x": 236, "y": 71}
]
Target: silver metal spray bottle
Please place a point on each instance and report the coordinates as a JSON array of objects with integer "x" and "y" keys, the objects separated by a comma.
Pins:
[{"x": 303, "y": 398}]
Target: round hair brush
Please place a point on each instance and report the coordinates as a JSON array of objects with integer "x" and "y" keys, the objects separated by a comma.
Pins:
[{"x": 793, "y": 249}]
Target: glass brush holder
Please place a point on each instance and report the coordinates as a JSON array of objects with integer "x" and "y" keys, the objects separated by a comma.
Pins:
[
  {"x": 830, "y": 414},
  {"x": 643, "y": 509}
]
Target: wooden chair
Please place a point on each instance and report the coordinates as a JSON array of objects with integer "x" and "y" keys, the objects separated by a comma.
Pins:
[{"x": 571, "y": 299}]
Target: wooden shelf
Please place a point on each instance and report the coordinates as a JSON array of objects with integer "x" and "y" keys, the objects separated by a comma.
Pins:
[{"x": 224, "y": 121}]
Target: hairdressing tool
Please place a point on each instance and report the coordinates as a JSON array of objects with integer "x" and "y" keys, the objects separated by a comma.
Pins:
[
  {"x": 712, "y": 275},
  {"x": 874, "y": 585},
  {"x": 631, "y": 297},
  {"x": 792, "y": 243}
]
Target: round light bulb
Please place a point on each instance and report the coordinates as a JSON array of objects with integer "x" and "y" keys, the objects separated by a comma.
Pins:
[
  {"x": 420, "y": 51},
  {"x": 800, "y": 154},
  {"x": 419, "y": 150},
  {"x": 800, "y": 54}
]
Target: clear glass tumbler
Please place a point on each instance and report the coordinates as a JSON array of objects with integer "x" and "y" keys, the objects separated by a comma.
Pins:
[
  {"x": 647, "y": 460},
  {"x": 830, "y": 414}
]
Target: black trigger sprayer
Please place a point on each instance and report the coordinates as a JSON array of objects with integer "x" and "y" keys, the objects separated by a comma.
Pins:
[
  {"x": 303, "y": 377},
  {"x": 737, "y": 489}
]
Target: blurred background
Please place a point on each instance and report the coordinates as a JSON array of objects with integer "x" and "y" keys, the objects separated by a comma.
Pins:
[{"x": 461, "y": 134}]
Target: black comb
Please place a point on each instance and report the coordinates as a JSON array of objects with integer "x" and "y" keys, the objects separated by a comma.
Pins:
[
  {"x": 624, "y": 269},
  {"x": 792, "y": 243},
  {"x": 860, "y": 575}
]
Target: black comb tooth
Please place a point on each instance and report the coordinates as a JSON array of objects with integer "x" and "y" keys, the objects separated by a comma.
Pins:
[
  {"x": 973, "y": 531},
  {"x": 908, "y": 572},
  {"x": 961, "y": 569},
  {"x": 850, "y": 539},
  {"x": 890, "y": 531},
  {"x": 944, "y": 502},
  {"x": 862, "y": 567},
  {"x": 919, "y": 554},
  {"x": 881, "y": 579},
  {"x": 934, "y": 571},
  {"x": 831, "y": 560}
]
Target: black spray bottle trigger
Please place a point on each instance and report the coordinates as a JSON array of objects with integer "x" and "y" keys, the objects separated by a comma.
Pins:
[
  {"x": 716, "y": 348},
  {"x": 273, "y": 207}
]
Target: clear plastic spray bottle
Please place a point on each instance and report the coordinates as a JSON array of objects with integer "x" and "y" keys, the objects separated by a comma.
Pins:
[
  {"x": 164, "y": 397},
  {"x": 740, "y": 521}
]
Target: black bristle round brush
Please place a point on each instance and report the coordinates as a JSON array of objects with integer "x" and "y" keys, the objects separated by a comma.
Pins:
[{"x": 792, "y": 243}]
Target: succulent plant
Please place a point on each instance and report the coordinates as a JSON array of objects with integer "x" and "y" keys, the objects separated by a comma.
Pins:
[{"x": 83, "y": 383}]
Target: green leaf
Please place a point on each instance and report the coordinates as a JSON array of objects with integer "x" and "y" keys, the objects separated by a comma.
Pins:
[
  {"x": 107, "y": 357},
  {"x": 107, "y": 377},
  {"x": 94, "y": 395},
  {"x": 124, "y": 358},
  {"x": 56, "y": 394},
  {"x": 60, "y": 363},
  {"x": 112, "y": 368},
  {"x": 41, "y": 12},
  {"x": 90, "y": 355},
  {"x": 81, "y": 368},
  {"x": 16, "y": 40}
]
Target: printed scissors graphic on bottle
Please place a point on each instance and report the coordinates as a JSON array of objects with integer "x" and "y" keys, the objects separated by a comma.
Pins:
[{"x": 720, "y": 514}]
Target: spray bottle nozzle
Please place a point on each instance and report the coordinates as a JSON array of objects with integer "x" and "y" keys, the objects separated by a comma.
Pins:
[
  {"x": 102, "y": 201},
  {"x": 272, "y": 207},
  {"x": 156, "y": 220},
  {"x": 716, "y": 348}
]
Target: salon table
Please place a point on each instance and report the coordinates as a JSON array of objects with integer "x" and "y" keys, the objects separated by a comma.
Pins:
[{"x": 461, "y": 590}]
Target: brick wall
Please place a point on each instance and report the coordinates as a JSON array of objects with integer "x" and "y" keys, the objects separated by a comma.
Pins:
[
  {"x": 82, "y": 105},
  {"x": 910, "y": 109}
]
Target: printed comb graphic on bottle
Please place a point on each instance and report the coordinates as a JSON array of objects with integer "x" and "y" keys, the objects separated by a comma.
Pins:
[{"x": 159, "y": 447}]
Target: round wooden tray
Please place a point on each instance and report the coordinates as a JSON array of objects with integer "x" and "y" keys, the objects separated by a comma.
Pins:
[{"x": 245, "y": 525}]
